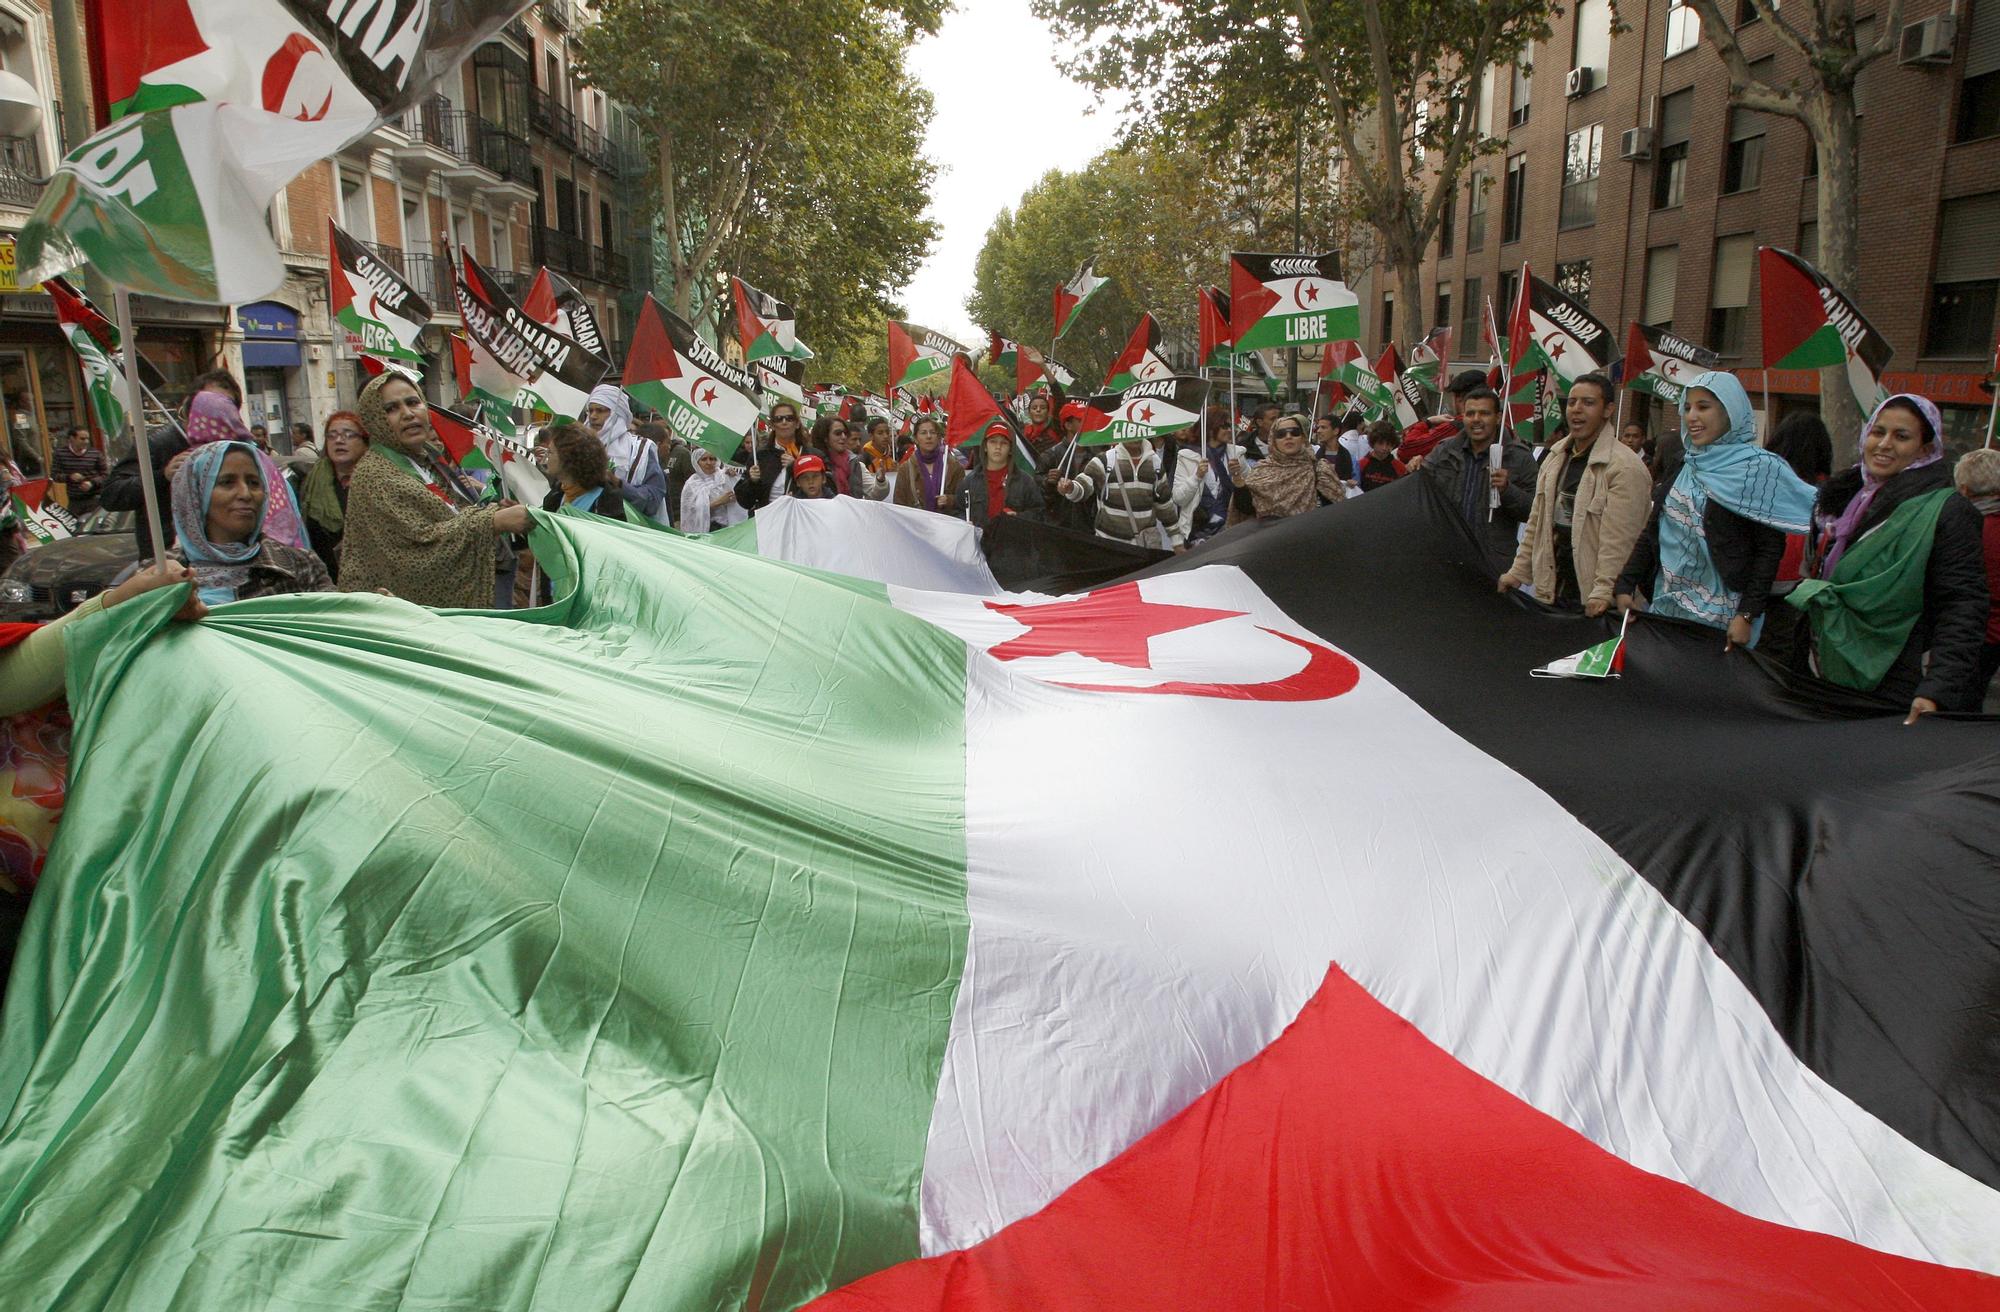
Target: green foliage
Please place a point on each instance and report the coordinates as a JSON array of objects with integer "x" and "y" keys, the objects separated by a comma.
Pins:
[
  {"x": 789, "y": 148},
  {"x": 1159, "y": 220}
]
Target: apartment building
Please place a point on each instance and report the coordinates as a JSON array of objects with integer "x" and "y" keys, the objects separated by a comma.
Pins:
[{"x": 1627, "y": 179}]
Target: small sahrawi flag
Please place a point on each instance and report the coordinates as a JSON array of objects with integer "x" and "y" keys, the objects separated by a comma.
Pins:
[
  {"x": 766, "y": 327},
  {"x": 1427, "y": 359},
  {"x": 95, "y": 340},
  {"x": 1404, "y": 392},
  {"x": 549, "y": 372},
  {"x": 1212, "y": 312},
  {"x": 1144, "y": 411},
  {"x": 776, "y": 386},
  {"x": 1811, "y": 324},
  {"x": 1606, "y": 660},
  {"x": 1070, "y": 298},
  {"x": 1345, "y": 364},
  {"x": 1140, "y": 361},
  {"x": 1564, "y": 334},
  {"x": 481, "y": 449},
  {"x": 1290, "y": 300},
  {"x": 40, "y": 518},
  {"x": 703, "y": 398},
  {"x": 371, "y": 301},
  {"x": 1660, "y": 364},
  {"x": 554, "y": 300},
  {"x": 220, "y": 104},
  {"x": 917, "y": 353}
]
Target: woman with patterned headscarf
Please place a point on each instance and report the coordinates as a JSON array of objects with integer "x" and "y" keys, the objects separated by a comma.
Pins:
[
  {"x": 414, "y": 528},
  {"x": 221, "y": 505},
  {"x": 1898, "y": 570},
  {"x": 213, "y": 417},
  {"x": 1718, "y": 531}
]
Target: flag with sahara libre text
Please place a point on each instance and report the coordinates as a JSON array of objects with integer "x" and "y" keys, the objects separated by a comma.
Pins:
[
  {"x": 1145, "y": 411},
  {"x": 517, "y": 362},
  {"x": 1140, "y": 361},
  {"x": 95, "y": 341},
  {"x": 703, "y": 397},
  {"x": 217, "y": 104},
  {"x": 1659, "y": 363},
  {"x": 1290, "y": 300},
  {"x": 917, "y": 353},
  {"x": 373, "y": 302}
]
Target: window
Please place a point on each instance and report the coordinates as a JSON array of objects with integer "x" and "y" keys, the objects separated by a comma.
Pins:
[
  {"x": 582, "y": 228},
  {"x": 1683, "y": 27},
  {"x": 413, "y": 222},
  {"x": 1441, "y": 308},
  {"x": 1518, "y": 97},
  {"x": 28, "y": 154},
  {"x": 1663, "y": 271},
  {"x": 357, "y": 211},
  {"x": 1979, "y": 94},
  {"x": 1809, "y": 241},
  {"x": 1966, "y": 286},
  {"x": 1573, "y": 281},
  {"x": 1475, "y": 217},
  {"x": 1812, "y": 157},
  {"x": 1503, "y": 304},
  {"x": 1489, "y": 84},
  {"x": 1474, "y": 312},
  {"x": 1592, "y": 48},
  {"x": 1516, "y": 199},
  {"x": 1388, "y": 317},
  {"x": 604, "y": 224},
  {"x": 1729, "y": 300},
  {"x": 1743, "y": 168},
  {"x": 1671, "y": 156},
  {"x": 1582, "y": 157},
  {"x": 503, "y": 249},
  {"x": 1748, "y": 13},
  {"x": 1446, "y": 224}
]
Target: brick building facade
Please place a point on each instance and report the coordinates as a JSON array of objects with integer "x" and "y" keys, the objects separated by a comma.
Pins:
[{"x": 1661, "y": 227}]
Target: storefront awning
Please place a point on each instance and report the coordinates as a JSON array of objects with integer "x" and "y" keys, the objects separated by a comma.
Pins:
[{"x": 270, "y": 335}]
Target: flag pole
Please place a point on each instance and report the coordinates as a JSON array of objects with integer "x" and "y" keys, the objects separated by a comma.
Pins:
[
  {"x": 1993, "y": 417},
  {"x": 142, "y": 448}
]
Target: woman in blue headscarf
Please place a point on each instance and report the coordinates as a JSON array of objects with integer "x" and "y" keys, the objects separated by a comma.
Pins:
[
  {"x": 1718, "y": 533},
  {"x": 220, "y": 503},
  {"x": 1896, "y": 594}
]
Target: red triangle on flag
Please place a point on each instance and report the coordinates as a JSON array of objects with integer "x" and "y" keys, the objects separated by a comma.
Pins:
[
  {"x": 748, "y": 326},
  {"x": 461, "y": 363},
  {"x": 1249, "y": 300},
  {"x": 540, "y": 303},
  {"x": 970, "y": 406},
  {"x": 902, "y": 354},
  {"x": 456, "y": 433},
  {"x": 651, "y": 357},
  {"x": 31, "y": 491}
]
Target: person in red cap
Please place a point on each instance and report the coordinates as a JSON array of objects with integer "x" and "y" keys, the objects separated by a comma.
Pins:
[{"x": 809, "y": 478}]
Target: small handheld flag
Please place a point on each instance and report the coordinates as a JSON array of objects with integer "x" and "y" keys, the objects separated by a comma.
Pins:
[
  {"x": 1811, "y": 324},
  {"x": 1290, "y": 300},
  {"x": 1072, "y": 296}
]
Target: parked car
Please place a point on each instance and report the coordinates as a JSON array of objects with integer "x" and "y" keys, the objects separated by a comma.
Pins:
[{"x": 58, "y": 577}]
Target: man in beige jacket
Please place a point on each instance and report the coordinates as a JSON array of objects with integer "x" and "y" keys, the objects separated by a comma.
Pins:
[{"x": 1592, "y": 496}]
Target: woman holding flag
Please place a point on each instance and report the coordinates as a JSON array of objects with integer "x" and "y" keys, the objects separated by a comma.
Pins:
[{"x": 413, "y": 528}]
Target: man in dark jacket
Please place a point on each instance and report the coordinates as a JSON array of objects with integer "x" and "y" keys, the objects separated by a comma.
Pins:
[
  {"x": 169, "y": 446},
  {"x": 1495, "y": 499}
]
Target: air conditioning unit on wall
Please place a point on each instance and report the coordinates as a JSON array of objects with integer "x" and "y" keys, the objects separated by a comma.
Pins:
[
  {"x": 1928, "y": 42},
  {"x": 1636, "y": 143},
  {"x": 1581, "y": 82}
]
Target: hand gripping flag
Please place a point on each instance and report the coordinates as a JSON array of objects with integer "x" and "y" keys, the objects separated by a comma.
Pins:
[
  {"x": 1144, "y": 411},
  {"x": 1212, "y": 314},
  {"x": 554, "y": 301},
  {"x": 220, "y": 103},
  {"x": 704, "y": 398},
  {"x": 766, "y": 327},
  {"x": 1290, "y": 300},
  {"x": 1070, "y": 298},
  {"x": 1811, "y": 324},
  {"x": 380, "y": 311},
  {"x": 1660, "y": 364},
  {"x": 1140, "y": 361},
  {"x": 516, "y": 361},
  {"x": 95, "y": 341},
  {"x": 916, "y": 353}
]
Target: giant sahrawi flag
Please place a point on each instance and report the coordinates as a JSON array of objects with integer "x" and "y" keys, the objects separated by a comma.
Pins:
[
  {"x": 373, "y": 302},
  {"x": 218, "y": 104},
  {"x": 1289, "y": 300},
  {"x": 704, "y": 398},
  {"x": 447, "y": 996},
  {"x": 517, "y": 362}
]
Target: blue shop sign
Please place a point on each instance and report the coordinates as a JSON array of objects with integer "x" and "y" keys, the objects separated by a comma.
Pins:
[{"x": 270, "y": 335}]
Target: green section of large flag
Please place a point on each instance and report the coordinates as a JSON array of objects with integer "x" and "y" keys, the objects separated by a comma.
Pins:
[{"x": 570, "y": 958}]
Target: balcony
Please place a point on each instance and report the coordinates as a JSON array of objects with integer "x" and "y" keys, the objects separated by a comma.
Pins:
[
  {"x": 559, "y": 14},
  {"x": 21, "y": 177},
  {"x": 424, "y": 272},
  {"x": 505, "y": 155},
  {"x": 596, "y": 148},
  {"x": 515, "y": 29},
  {"x": 436, "y": 133},
  {"x": 551, "y": 118},
  {"x": 562, "y": 251}
]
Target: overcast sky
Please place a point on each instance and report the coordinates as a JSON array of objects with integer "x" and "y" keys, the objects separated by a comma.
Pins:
[{"x": 1005, "y": 116}]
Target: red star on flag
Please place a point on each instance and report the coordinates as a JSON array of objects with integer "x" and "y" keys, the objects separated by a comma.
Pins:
[
  {"x": 1555, "y": 346},
  {"x": 708, "y": 395},
  {"x": 1146, "y": 415},
  {"x": 1312, "y": 291},
  {"x": 1112, "y": 625}
]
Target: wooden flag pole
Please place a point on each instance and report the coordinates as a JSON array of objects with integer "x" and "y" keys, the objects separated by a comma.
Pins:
[
  {"x": 1993, "y": 416},
  {"x": 135, "y": 405}
]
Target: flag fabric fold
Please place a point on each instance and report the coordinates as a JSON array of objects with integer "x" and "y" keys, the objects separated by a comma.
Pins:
[
  {"x": 1140, "y": 361},
  {"x": 94, "y": 338}
]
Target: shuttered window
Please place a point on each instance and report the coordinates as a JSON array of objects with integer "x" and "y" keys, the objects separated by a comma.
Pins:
[
  {"x": 1967, "y": 283},
  {"x": 1663, "y": 271},
  {"x": 1979, "y": 91},
  {"x": 1729, "y": 298},
  {"x": 1969, "y": 239}
]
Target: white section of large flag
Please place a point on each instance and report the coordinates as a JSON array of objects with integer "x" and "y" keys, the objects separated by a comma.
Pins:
[
  {"x": 871, "y": 540},
  {"x": 1136, "y": 935}
]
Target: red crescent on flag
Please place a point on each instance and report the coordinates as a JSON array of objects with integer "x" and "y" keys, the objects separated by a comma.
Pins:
[
  {"x": 694, "y": 390},
  {"x": 283, "y": 68},
  {"x": 1299, "y": 292},
  {"x": 1327, "y": 674}
]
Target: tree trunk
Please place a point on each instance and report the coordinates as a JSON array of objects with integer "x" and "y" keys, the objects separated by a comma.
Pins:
[
  {"x": 1837, "y": 138},
  {"x": 1410, "y": 290}
]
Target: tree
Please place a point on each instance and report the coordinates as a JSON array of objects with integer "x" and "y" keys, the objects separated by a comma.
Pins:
[
  {"x": 738, "y": 94},
  {"x": 1403, "y": 116},
  {"x": 1824, "y": 34}
]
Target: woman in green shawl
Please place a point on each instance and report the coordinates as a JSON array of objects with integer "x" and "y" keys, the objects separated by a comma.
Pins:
[
  {"x": 323, "y": 494},
  {"x": 412, "y": 526}
]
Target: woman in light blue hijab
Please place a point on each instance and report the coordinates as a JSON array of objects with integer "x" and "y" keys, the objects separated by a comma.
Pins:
[{"x": 1719, "y": 533}]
